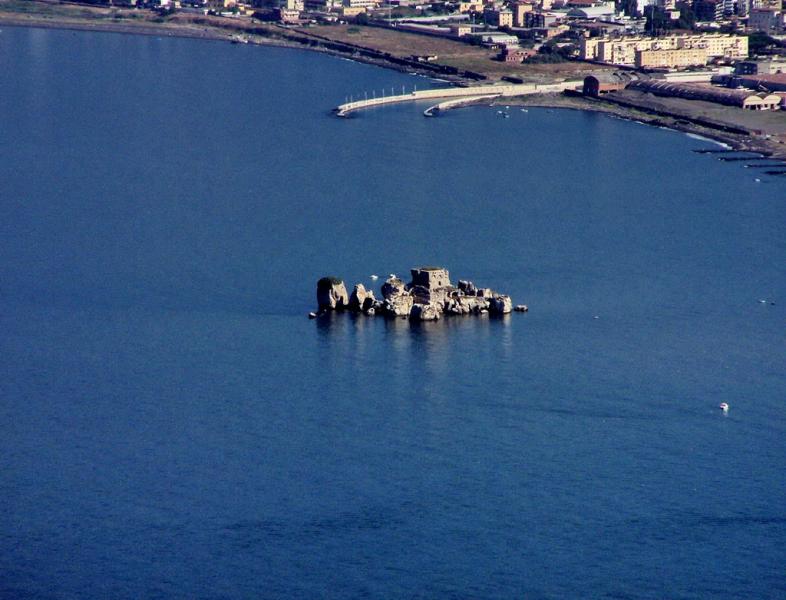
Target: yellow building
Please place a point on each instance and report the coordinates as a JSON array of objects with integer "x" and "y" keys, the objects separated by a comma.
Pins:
[
  {"x": 352, "y": 11},
  {"x": 655, "y": 59},
  {"x": 519, "y": 10},
  {"x": 471, "y": 6},
  {"x": 623, "y": 50},
  {"x": 499, "y": 18}
]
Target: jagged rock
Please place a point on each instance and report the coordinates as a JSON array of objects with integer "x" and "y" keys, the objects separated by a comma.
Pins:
[
  {"x": 467, "y": 287},
  {"x": 399, "y": 306},
  {"x": 332, "y": 294},
  {"x": 473, "y": 304},
  {"x": 430, "y": 277},
  {"x": 425, "y": 312},
  {"x": 521, "y": 308},
  {"x": 370, "y": 302},
  {"x": 393, "y": 287},
  {"x": 361, "y": 299},
  {"x": 501, "y": 304},
  {"x": 426, "y": 298},
  {"x": 424, "y": 295}
]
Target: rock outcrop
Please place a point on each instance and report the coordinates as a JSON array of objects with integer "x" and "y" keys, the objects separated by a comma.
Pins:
[
  {"x": 393, "y": 287},
  {"x": 501, "y": 304},
  {"x": 428, "y": 297},
  {"x": 425, "y": 312},
  {"x": 362, "y": 300},
  {"x": 398, "y": 306},
  {"x": 331, "y": 294}
]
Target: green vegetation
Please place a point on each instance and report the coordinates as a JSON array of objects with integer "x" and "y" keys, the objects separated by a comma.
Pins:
[
  {"x": 759, "y": 41},
  {"x": 551, "y": 52}
]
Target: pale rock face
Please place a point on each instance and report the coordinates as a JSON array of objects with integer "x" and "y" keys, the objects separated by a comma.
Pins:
[
  {"x": 332, "y": 294},
  {"x": 361, "y": 299},
  {"x": 399, "y": 306},
  {"x": 472, "y": 304},
  {"x": 425, "y": 312},
  {"x": 501, "y": 304},
  {"x": 392, "y": 287}
]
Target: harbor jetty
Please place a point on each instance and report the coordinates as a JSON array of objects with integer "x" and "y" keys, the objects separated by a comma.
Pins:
[
  {"x": 466, "y": 94},
  {"x": 429, "y": 296}
]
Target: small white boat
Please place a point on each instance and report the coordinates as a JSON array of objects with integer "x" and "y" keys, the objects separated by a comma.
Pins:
[{"x": 724, "y": 407}]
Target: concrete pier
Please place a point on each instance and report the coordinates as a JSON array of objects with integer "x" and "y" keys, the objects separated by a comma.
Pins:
[{"x": 467, "y": 93}]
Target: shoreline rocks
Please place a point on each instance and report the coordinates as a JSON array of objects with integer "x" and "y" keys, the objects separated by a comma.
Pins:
[
  {"x": 331, "y": 294},
  {"x": 428, "y": 297}
]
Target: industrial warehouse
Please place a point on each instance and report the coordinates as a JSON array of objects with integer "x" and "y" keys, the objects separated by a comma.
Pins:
[{"x": 743, "y": 98}]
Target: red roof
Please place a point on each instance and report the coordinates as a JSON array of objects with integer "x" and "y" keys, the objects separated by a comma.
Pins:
[{"x": 775, "y": 78}]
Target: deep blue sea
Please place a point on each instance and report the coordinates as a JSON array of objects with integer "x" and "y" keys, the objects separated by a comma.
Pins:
[{"x": 172, "y": 425}]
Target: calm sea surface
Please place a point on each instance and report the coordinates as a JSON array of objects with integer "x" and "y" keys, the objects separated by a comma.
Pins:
[{"x": 173, "y": 426}]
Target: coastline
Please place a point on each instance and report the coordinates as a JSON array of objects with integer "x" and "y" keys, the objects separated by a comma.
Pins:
[
  {"x": 676, "y": 122},
  {"x": 742, "y": 140},
  {"x": 276, "y": 37}
]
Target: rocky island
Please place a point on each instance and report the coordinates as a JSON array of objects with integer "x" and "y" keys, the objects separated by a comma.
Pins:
[{"x": 428, "y": 297}]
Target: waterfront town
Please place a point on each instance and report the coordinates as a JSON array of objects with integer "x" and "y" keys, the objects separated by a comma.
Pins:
[
  {"x": 744, "y": 40},
  {"x": 700, "y": 65}
]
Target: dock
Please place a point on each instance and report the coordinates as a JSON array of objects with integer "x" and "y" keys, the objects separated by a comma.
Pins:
[{"x": 457, "y": 95}]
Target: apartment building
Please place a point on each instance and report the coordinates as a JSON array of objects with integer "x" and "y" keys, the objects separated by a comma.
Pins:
[
  {"x": 669, "y": 59},
  {"x": 622, "y": 50}
]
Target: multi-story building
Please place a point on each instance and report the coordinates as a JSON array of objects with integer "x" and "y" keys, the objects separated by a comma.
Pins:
[
  {"x": 497, "y": 17},
  {"x": 766, "y": 4},
  {"x": 622, "y": 50},
  {"x": 708, "y": 10},
  {"x": 520, "y": 9},
  {"x": 767, "y": 20},
  {"x": 364, "y": 4},
  {"x": 760, "y": 67},
  {"x": 540, "y": 19},
  {"x": 461, "y": 29},
  {"x": 471, "y": 6},
  {"x": 658, "y": 59},
  {"x": 288, "y": 15}
]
